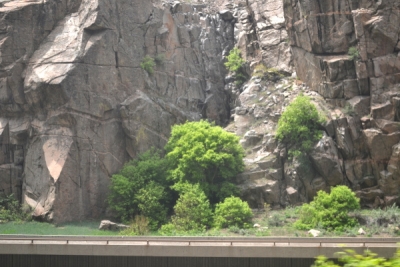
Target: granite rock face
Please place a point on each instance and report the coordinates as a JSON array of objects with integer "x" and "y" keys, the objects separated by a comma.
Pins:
[
  {"x": 348, "y": 52},
  {"x": 76, "y": 105},
  {"x": 260, "y": 33}
]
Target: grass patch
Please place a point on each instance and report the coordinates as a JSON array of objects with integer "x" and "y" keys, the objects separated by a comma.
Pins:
[
  {"x": 376, "y": 223},
  {"x": 39, "y": 228}
]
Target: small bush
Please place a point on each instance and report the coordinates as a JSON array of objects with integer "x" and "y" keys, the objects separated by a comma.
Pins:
[
  {"x": 234, "y": 229},
  {"x": 148, "y": 64},
  {"x": 353, "y": 53},
  {"x": 267, "y": 209},
  {"x": 348, "y": 110},
  {"x": 299, "y": 126},
  {"x": 234, "y": 64},
  {"x": 192, "y": 210},
  {"x": 140, "y": 226},
  {"x": 233, "y": 211},
  {"x": 159, "y": 59},
  {"x": 262, "y": 72},
  {"x": 277, "y": 220},
  {"x": 349, "y": 258},
  {"x": 329, "y": 211},
  {"x": 234, "y": 60},
  {"x": 167, "y": 229},
  {"x": 11, "y": 210}
]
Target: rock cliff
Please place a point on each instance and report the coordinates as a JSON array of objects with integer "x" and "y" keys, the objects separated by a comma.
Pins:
[
  {"x": 76, "y": 105},
  {"x": 347, "y": 53}
]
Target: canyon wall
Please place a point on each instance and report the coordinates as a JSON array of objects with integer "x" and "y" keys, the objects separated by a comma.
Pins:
[
  {"x": 348, "y": 52},
  {"x": 76, "y": 105},
  {"x": 347, "y": 55}
]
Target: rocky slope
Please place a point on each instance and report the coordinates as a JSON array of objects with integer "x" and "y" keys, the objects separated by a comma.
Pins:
[{"x": 358, "y": 94}]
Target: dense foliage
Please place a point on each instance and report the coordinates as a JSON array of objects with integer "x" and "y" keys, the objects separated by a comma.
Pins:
[
  {"x": 11, "y": 210},
  {"x": 232, "y": 212},
  {"x": 201, "y": 163},
  {"x": 204, "y": 154},
  {"x": 329, "y": 211},
  {"x": 192, "y": 211},
  {"x": 141, "y": 189},
  {"x": 299, "y": 126},
  {"x": 235, "y": 63},
  {"x": 352, "y": 259}
]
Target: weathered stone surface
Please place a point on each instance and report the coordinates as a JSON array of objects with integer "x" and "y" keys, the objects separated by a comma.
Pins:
[
  {"x": 76, "y": 105},
  {"x": 261, "y": 35},
  {"x": 112, "y": 226},
  {"x": 387, "y": 126},
  {"x": 326, "y": 160},
  {"x": 364, "y": 85}
]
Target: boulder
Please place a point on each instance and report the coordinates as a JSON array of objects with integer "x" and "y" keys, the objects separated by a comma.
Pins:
[
  {"x": 314, "y": 232},
  {"x": 112, "y": 226}
]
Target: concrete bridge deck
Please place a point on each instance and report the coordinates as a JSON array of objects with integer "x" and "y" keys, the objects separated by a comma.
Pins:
[{"x": 209, "y": 247}]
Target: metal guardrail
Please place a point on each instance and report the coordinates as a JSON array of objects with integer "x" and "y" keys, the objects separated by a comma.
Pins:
[
  {"x": 297, "y": 240},
  {"x": 150, "y": 246}
]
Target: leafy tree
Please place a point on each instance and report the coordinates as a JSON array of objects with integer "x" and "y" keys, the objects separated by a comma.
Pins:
[
  {"x": 330, "y": 211},
  {"x": 141, "y": 189},
  {"x": 232, "y": 212},
  {"x": 299, "y": 126},
  {"x": 192, "y": 210},
  {"x": 205, "y": 154},
  {"x": 235, "y": 63}
]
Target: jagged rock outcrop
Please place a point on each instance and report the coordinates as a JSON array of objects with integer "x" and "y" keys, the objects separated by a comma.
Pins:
[
  {"x": 347, "y": 51},
  {"x": 260, "y": 32},
  {"x": 347, "y": 54},
  {"x": 76, "y": 105}
]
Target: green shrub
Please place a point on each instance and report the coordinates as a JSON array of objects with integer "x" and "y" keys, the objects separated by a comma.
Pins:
[
  {"x": 348, "y": 110},
  {"x": 299, "y": 126},
  {"x": 148, "y": 64},
  {"x": 167, "y": 229},
  {"x": 140, "y": 226},
  {"x": 353, "y": 53},
  {"x": 205, "y": 154},
  {"x": 277, "y": 220},
  {"x": 234, "y": 64},
  {"x": 141, "y": 189},
  {"x": 232, "y": 212},
  {"x": 262, "y": 72},
  {"x": 349, "y": 258},
  {"x": 192, "y": 210},
  {"x": 159, "y": 59},
  {"x": 329, "y": 211},
  {"x": 11, "y": 210},
  {"x": 234, "y": 60}
]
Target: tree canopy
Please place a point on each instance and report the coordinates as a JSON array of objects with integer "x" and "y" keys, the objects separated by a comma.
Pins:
[
  {"x": 200, "y": 152},
  {"x": 140, "y": 188}
]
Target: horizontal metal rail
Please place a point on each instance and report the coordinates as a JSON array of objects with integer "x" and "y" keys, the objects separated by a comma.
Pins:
[{"x": 283, "y": 247}]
